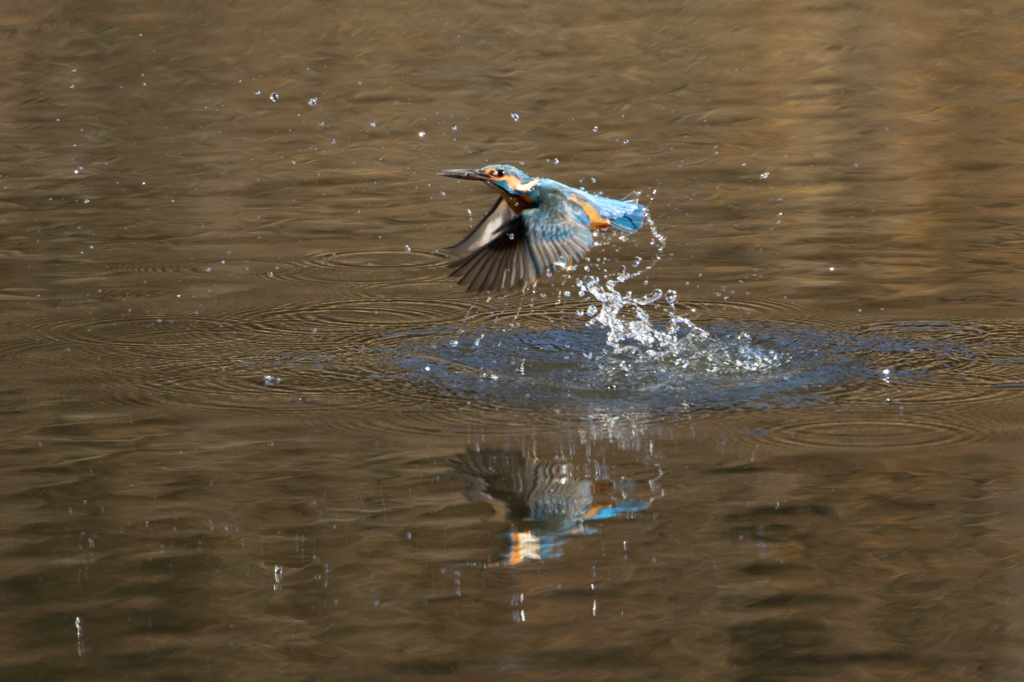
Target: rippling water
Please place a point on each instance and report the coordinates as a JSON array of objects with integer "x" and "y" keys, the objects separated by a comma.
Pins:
[{"x": 253, "y": 429}]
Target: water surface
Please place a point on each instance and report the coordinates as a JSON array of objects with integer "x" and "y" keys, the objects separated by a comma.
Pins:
[{"x": 252, "y": 429}]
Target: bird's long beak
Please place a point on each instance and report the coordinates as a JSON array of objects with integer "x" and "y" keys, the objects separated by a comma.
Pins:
[{"x": 465, "y": 174}]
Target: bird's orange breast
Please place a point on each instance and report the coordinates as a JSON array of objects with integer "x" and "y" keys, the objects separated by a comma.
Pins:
[{"x": 517, "y": 204}]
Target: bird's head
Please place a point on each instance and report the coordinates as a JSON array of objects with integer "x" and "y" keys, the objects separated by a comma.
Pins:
[{"x": 508, "y": 180}]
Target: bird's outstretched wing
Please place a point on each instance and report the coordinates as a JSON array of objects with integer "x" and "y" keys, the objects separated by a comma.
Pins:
[
  {"x": 554, "y": 232},
  {"x": 490, "y": 227}
]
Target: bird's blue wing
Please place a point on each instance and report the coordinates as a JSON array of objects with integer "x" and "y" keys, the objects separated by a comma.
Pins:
[
  {"x": 528, "y": 245},
  {"x": 626, "y": 215},
  {"x": 557, "y": 231}
]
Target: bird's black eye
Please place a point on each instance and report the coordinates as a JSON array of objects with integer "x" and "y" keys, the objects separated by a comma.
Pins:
[{"x": 495, "y": 172}]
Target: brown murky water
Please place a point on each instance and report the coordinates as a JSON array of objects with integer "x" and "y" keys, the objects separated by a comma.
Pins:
[{"x": 253, "y": 431}]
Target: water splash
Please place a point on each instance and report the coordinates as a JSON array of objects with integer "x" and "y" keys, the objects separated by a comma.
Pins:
[
  {"x": 638, "y": 354},
  {"x": 677, "y": 343}
]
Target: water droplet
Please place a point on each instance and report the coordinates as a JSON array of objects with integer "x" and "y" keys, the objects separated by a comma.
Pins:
[
  {"x": 274, "y": 97},
  {"x": 373, "y": 124},
  {"x": 515, "y": 117},
  {"x": 764, "y": 176},
  {"x": 257, "y": 93},
  {"x": 455, "y": 127},
  {"x": 421, "y": 134},
  {"x": 312, "y": 101},
  {"x": 595, "y": 129}
]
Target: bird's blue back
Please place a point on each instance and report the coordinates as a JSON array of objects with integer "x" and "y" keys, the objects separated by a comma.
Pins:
[{"x": 627, "y": 216}]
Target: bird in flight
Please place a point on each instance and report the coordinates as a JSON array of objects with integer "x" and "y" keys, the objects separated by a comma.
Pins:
[{"x": 536, "y": 224}]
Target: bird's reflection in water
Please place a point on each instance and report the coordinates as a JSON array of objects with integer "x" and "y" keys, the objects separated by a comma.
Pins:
[{"x": 542, "y": 502}]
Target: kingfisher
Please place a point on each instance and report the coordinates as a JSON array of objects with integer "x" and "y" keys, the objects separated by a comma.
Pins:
[{"x": 536, "y": 224}]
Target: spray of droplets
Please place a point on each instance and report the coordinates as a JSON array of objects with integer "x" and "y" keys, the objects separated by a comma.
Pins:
[{"x": 633, "y": 335}]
